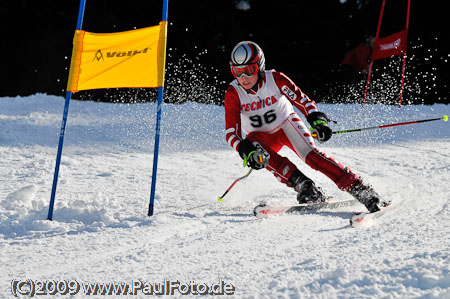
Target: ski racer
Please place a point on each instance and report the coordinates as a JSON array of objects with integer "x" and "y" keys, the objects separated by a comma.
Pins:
[{"x": 260, "y": 120}]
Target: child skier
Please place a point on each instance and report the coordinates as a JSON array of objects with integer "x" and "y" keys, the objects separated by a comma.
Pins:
[{"x": 259, "y": 102}]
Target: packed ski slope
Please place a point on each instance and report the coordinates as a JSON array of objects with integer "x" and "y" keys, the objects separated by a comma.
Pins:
[{"x": 101, "y": 232}]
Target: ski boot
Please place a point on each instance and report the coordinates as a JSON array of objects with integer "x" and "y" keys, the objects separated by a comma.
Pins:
[
  {"x": 368, "y": 197},
  {"x": 306, "y": 189}
]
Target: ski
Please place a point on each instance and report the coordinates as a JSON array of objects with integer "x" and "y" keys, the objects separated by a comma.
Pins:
[
  {"x": 264, "y": 211},
  {"x": 366, "y": 219}
]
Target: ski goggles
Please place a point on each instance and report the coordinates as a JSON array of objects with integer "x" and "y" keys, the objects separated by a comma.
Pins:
[{"x": 248, "y": 71}]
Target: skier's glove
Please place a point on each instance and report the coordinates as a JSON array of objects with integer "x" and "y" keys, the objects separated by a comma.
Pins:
[
  {"x": 256, "y": 160},
  {"x": 319, "y": 123},
  {"x": 252, "y": 156}
]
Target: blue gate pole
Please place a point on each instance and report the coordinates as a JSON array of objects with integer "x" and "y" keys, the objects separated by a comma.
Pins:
[
  {"x": 158, "y": 127},
  {"x": 63, "y": 125}
]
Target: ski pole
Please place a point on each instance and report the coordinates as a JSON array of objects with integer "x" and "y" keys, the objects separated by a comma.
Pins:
[
  {"x": 444, "y": 118},
  {"x": 237, "y": 180}
]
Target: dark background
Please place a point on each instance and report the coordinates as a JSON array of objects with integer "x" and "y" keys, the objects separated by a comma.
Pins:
[{"x": 304, "y": 39}]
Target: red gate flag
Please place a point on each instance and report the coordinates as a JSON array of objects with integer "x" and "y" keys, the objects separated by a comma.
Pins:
[{"x": 392, "y": 45}]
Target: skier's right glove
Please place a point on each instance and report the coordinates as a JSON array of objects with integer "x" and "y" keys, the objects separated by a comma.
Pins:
[{"x": 252, "y": 156}]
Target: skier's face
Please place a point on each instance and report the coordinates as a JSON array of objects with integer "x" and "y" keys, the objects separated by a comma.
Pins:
[{"x": 248, "y": 83}]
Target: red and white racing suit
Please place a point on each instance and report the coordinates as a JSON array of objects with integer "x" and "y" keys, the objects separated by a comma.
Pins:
[{"x": 265, "y": 115}]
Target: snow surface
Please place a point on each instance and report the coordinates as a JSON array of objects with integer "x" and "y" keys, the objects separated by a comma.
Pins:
[{"x": 101, "y": 231}]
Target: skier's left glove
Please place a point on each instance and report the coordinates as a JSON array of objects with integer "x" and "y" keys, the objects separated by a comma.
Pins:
[
  {"x": 252, "y": 156},
  {"x": 319, "y": 123}
]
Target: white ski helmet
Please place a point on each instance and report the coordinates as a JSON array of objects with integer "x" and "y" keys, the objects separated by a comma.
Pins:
[{"x": 246, "y": 53}]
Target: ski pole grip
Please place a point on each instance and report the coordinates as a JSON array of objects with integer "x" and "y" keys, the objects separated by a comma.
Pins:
[
  {"x": 313, "y": 134},
  {"x": 248, "y": 157}
]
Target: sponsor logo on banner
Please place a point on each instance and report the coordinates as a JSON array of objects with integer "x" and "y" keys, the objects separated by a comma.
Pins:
[
  {"x": 393, "y": 45},
  {"x": 117, "y": 54}
]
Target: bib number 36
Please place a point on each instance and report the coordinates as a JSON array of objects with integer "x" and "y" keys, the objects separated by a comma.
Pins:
[{"x": 258, "y": 120}]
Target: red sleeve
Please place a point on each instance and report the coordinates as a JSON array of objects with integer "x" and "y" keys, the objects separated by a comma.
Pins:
[
  {"x": 232, "y": 117},
  {"x": 294, "y": 94}
]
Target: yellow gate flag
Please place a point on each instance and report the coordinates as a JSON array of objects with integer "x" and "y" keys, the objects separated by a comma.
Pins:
[{"x": 134, "y": 58}]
